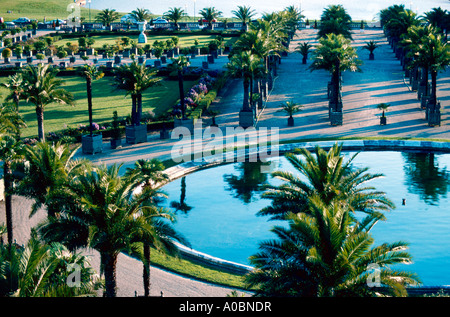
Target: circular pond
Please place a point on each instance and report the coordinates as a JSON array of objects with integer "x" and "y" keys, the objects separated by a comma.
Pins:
[{"x": 216, "y": 208}]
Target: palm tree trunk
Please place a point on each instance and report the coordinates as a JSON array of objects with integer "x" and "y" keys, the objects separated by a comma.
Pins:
[
  {"x": 40, "y": 120},
  {"x": 433, "y": 97},
  {"x": 89, "y": 96},
  {"x": 109, "y": 266},
  {"x": 138, "y": 109},
  {"x": 8, "y": 201},
  {"x": 245, "y": 106},
  {"x": 133, "y": 109},
  {"x": 181, "y": 89},
  {"x": 146, "y": 273}
]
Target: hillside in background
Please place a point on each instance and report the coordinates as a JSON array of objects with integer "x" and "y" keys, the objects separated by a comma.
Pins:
[{"x": 33, "y": 9}]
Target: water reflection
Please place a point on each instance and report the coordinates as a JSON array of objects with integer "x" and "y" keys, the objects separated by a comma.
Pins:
[
  {"x": 181, "y": 205},
  {"x": 249, "y": 182},
  {"x": 424, "y": 177}
]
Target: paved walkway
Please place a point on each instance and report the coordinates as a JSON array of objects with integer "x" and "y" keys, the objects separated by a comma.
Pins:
[{"x": 381, "y": 81}]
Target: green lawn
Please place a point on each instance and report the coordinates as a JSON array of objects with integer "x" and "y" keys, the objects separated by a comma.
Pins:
[
  {"x": 184, "y": 40},
  {"x": 105, "y": 101}
]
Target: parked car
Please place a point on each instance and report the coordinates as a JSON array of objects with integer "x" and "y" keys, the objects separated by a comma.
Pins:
[
  {"x": 22, "y": 20},
  {"x": 160, "y": 20},
  {"x": 10, "y": 23}
]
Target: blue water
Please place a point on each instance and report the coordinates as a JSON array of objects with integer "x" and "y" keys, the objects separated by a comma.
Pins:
[
  {"x": 311, "y": 9},
  {"x": 221, "y": 220}
]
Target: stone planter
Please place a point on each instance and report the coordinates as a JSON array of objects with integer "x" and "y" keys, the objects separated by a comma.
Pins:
[
  {"x": 141, "y": 59},
  {"x": 371, "y": 56},
  {"x": 29, "y": 60},
  {"x": 383, "y": 121},
  {"x": 92, "y": 145},
  {"x": 434, "y": 118},
  {"x": 18, "y": 64},
  {"x": 157, "y": 64},
  {"x": 205, "y": 65},
  {"x": 246, "y": 119},
  {"x": 136, "y": 133},
  {"x": 187, "y": 123},
  {"x": 336, "y": 118},
  {"x": 117, "y": 60},
  {"x": 163, "y": 59},
  {"x": 6, "y": 59},
  {"x": 115, "y": 143},
  {"x": 290, "y": 122},
  {"x": 72, "y": 59},
  {"x": 126, "y": 54},
  {"x": 90, "y": 51},
  {"x": 50, "y": 60},
  {"x": 210, "y": 59}
]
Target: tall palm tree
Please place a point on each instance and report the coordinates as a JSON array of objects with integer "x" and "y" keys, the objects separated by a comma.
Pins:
[
  {"x": 335, "y": 54},
  {"x": 324, "y": 254},
  {"x": 175, "y": 15},
  {"x": 179, "y": 64},
  {"x": 41, "y": 87},
  {"x": 135, "y": 79},
  {"x": 141, "y": 14},
  {"x": 10, "y": 151},
  {"x": 326, "y": 175},
  {"x": 150, "y": 175},
  {"x": 433, "y": 54},
  {"x": 437, "y": 17},
  {"x": 243, "y": 65},
  {"x": 244, "y": 14},
  {"x": 90, "y": 72},
  {"x": 49, "y": 167},
  {"x": 104, "y": 213},
  {"x": 336, "y": 20},
  {"x": 107, "y": 16},
  {"x": 210, "y": 14}
]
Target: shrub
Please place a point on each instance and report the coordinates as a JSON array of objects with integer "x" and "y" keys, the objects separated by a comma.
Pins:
[{"x": 6, "y": 53}]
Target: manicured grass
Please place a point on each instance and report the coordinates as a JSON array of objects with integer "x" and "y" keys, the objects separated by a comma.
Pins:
[
  {"x": 105, "y": 100},
  {"x": 197, "y": 271},
  {"x": 184, "y": 40}
]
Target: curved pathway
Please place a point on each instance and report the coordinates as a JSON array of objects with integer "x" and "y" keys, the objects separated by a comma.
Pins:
[{"x": 381, "y": 81}]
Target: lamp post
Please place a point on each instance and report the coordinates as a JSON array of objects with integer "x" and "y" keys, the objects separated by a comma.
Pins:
[
  {"x": 89, "y": 1},
  {"x": 194, "y": 9}
]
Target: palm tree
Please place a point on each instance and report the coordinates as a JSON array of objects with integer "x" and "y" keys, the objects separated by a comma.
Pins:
[
  {"x": 141, "y": 14},
  {"x": 107, "y": 16},
  {"x": 243, "y": 65},
  {"x": 10, "y": 120},
  {"x": 433, "y": 54},
  {"x": 178, "y": 65},
  {"x": 175, "y": 15},
  {"x": 244, "y": 14},
  {"x": 10, "y": 151},
  {"x": 324, "y": 254},
  {"x": 383, "y": 107},
  {"x": 49, "y": 167},
  {"x": 304, "y": 49},
  {"x": 335, "y": 54},
  {"x": 290, "y": 108},
  {"x": 210, "y": 14},
  {"x": 90, "y": 72},
  {"x": 335, "y": 20},
  {"x": 326, "y": 175},
  {"x": 104, "y": 213},
  {"x": 15, "y": 86},
  {"x": 437, "y": 17},
  {"x": 40, "y": 270},
  {"x": 370, "y": 46},
  {"x": 135, "y": 79},
  {"x": 41, "y": 87}
]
